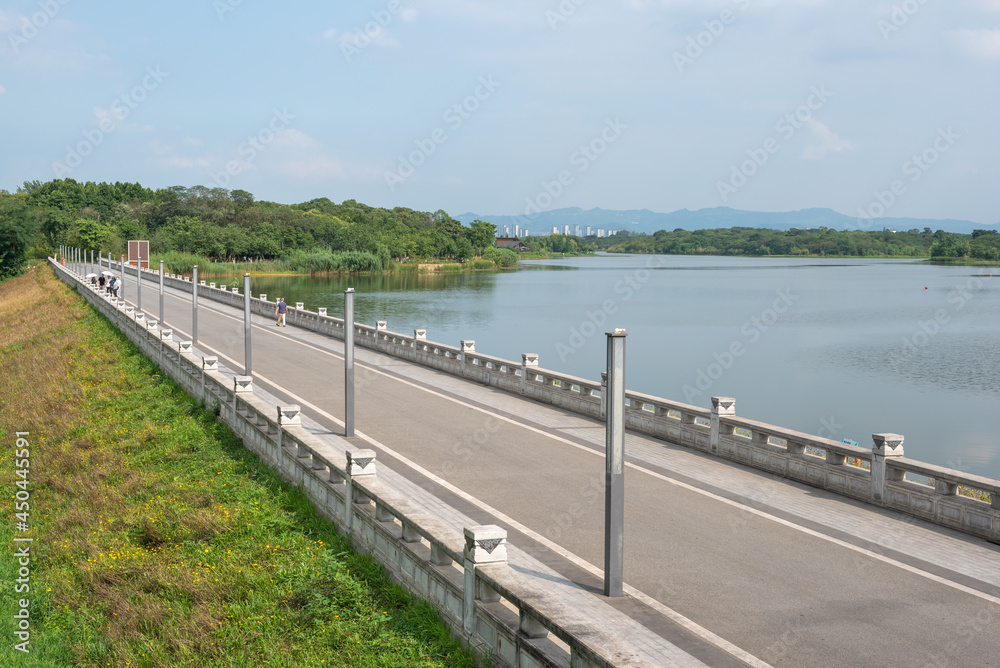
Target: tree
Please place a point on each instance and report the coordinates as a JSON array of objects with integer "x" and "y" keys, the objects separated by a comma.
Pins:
[
  {"x": 463, "y": 249},
  {"x": 18, "y": 228},
  {"x": 481, "y": 234},
  {"x": 241, "y": 199},
  {"x": 92, "y": 233}
]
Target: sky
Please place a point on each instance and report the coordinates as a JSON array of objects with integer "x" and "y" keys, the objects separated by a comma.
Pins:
[{"x": 868, "y": 108}]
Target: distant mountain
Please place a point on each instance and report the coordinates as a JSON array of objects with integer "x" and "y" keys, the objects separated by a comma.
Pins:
[{"x": 644, "y": 220}]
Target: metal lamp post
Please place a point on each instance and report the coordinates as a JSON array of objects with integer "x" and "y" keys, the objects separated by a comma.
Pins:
[{"x": 614, "y": 473}]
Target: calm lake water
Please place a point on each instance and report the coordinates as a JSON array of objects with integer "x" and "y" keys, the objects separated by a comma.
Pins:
[{"x": 837, "y": 348}]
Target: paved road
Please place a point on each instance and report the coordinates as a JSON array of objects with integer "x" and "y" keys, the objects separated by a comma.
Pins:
[{"x": 726, "y": 562}]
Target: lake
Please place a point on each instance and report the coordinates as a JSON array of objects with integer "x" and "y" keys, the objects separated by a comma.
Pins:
[{"x": 837, "y": 348}]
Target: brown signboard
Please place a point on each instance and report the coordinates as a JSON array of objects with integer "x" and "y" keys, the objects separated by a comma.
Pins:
[{"x": 138, "y": 254}]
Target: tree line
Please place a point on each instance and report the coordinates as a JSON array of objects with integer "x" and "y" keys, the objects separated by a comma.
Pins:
[
  {"x": 222, "y": 225},
  {"x": 230, "y": 225},
  {"x": 822, "y": 242}
]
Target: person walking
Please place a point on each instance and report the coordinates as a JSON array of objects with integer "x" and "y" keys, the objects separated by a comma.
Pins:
[{"x": 280, "y": 311}]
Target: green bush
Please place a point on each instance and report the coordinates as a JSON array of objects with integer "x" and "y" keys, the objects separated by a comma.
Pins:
[
  {"x": 502, "y": 257},
  {"x": 319, "y": 261},
  {"x": 483, "y": 264},
  {"x": 450, "y": 267}
]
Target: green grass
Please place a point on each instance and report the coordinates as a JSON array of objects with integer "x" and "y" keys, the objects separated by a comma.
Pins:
[{"x": 159, "y": 539}]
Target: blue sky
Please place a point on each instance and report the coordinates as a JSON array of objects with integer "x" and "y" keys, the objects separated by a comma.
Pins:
[{"x": 772, "y": 105}]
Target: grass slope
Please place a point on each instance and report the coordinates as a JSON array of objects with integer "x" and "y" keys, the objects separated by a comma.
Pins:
[{"x": 158, "y": 539}]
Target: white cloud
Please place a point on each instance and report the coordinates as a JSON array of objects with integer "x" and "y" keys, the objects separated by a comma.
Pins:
[
  {"x": 2, "y": 90},
  {"x": 166, "y": 156},
  {"x": 299, "y": 155},
  {"x": 981, "y": 43},
  {"x": 378, "y": 36},
  {"x": 329, "y": 34},
  {"x": 524, "y": 14},
  {"x": 112, "y": 119},
  {"x": 828, "y": 141},
  {"x": 409, "y": 15},
  {"x": 182, "y": 162},
  {"x": 192, "y": 141},
  {"x": 296, "y": 154},
  {"x": 115, "y": 115}
]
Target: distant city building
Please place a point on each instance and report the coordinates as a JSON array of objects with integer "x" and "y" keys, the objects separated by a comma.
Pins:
[
  {"x": 555, "y": 230},
  {"x": 566, "y": 230},
  {"x": 600, "y": 233},
  {"x": 589, "y": 230},
  {"x": 511, "y": 242}
]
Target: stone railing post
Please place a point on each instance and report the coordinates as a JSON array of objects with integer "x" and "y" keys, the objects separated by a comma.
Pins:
[
  {"x": 359, "y": 463},
  {"x": 208, "y": 363},
  {"x": 528, "y": 361},
  {"x": 418, "y": 336},
  {"x": 321, "y": 310},
  {"x": 381, "y": 327},
  {"x": 466, "y": 346},
  {"x": 884, "y": 446},
  {"x": 483, "y": 545},
  {"x": 604, "y": 394},
  {"x": 287, "y": 416},
  {"x": 721, "y": 406}
]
